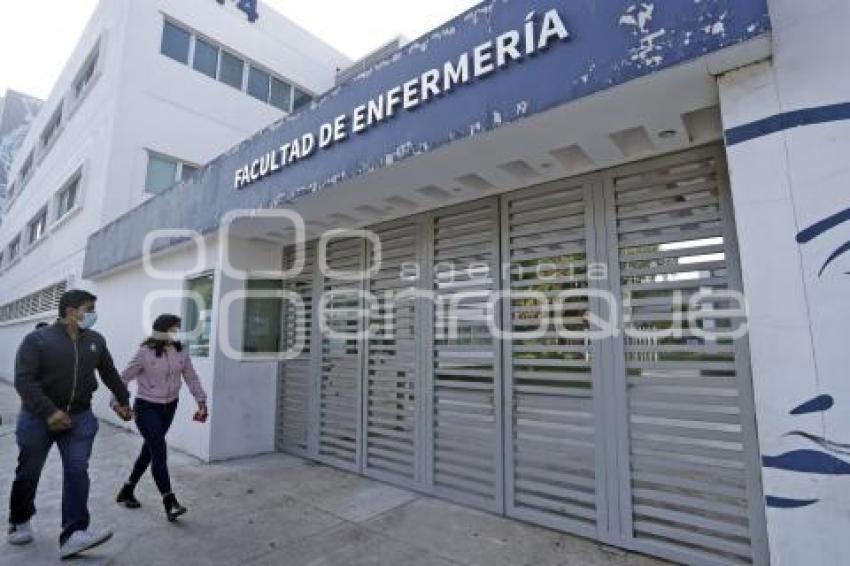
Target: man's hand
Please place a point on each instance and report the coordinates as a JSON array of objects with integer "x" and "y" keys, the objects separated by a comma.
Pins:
[
  {"x": 125, "y": 413},
  {"x": 59, "y": 421}
]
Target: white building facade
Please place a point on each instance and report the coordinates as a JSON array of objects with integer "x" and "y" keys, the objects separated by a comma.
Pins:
[
  {"x": 631, "y": 168},
  {"x": 152, "y": 91}
]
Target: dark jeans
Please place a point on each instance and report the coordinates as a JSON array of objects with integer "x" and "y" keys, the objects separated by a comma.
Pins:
[
  {"x": 153, "y": 421},
  {"x": 75, "y": 445}
]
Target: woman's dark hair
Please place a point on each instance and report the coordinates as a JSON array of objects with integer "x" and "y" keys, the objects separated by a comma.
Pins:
[{"x": 161, "y": 325}]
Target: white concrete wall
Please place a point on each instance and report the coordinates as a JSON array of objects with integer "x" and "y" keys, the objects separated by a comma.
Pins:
[
  {"x": 124, "y": 320},
  {"x": 783, "y": 183},
  {"x": 245, "y": 391},
  {"x": 140, "y": 100},
  {"x": 168, "y": 107},
  {"x": 242, "y": 394}
]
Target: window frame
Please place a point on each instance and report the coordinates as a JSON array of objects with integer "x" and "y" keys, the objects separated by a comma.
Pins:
[
  {"x": 184, "y": 313},
  {"x": 253, "y": 68},
  {"x": 39, "y": 218},
  {"x": 15, "y": 246},
  {"x": 166, "y": 22},
  {"x": 74, "y": 180},
  {"x": 209, "y": 43},
  {"x": 243, "y": 78},
  {"x": 27, "y": 168},
  {"x": 54, "y": 127},
  {"x": 179, "y": 166}
]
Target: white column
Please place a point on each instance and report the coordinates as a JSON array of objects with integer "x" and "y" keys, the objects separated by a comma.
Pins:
[{"x": 784, "y": 182}]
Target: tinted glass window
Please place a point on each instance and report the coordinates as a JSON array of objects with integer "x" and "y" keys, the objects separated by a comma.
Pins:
[
  {"x": 161, "y": 174},
  {"x": 206, "y": 58},
  {"x": 301, "y": 98},
  {"x": 258, "y": 84},
  {"x": 262, "y": 319},
  {"x": 175, "y": 42},
  {"x": 187, "y": 171},
  {"x": 197, "y": 315},
  {"x": 281, "y": 95},
  {"x": 231, "y": 70},
  {"x": 68, "y": 198}
]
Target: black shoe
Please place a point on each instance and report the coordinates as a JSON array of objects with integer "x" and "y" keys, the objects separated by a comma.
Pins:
[
  {"x": 127, "y": 498},
  {"x": 173, "y": 509}
]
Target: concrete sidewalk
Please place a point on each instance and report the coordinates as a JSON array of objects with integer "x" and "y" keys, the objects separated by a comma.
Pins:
[{"x": 278, "y": 510}]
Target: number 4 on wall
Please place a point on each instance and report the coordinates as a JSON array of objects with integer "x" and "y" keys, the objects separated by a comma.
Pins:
[{"x": 247, "y": 6}]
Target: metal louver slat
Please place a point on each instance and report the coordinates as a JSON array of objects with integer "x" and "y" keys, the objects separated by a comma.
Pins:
[
  {"x": 392, "y": 378},
  {"x": 686, "y": 439},
  {"x": 341, "y": 350},
  {"x": 466, "y": 383},
  {"x": 295, "y": 396},
  {"x": 551, "y": 461}
]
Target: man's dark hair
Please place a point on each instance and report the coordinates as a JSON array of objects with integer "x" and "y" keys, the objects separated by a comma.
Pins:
[
  {"x": 74, "y": 299},
  {"x": 41, "y": 325}
]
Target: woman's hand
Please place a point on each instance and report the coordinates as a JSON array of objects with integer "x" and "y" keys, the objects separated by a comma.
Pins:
[{"x": 201, "y": 414}]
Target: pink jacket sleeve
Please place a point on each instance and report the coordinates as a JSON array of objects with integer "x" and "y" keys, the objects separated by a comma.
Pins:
[
  {"x": 193, "y": 382},
  {"x": 131, "y": 372},
  {"x": 134, "y": 368}
]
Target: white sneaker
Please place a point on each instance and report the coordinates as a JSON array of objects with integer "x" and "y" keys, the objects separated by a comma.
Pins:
[
  {"x": 81, "y": 541},
  {"x": 20, "y": 534}
]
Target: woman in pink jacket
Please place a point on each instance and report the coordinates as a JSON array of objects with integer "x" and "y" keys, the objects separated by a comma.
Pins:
[{"x": 158, "y": 367}]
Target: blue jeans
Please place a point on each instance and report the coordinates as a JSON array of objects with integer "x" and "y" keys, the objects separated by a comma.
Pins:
[
  {"x": 75, "y": 445},
  {"x": 153, "y": 421}
]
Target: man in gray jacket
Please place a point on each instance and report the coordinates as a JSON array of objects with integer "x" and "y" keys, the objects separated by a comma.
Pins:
[{"x": 54, "y": 376}]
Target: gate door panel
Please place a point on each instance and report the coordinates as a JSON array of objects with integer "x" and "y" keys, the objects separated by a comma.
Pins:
[
  {"x": 551, "y": 430},
  {"x": 393, "y": 377},
  {"x": 341, "y": 349},
  {"x": 295, "y": 420},
  {"x": 691, "y": 479},
  {"x": 466, "y": 397}
]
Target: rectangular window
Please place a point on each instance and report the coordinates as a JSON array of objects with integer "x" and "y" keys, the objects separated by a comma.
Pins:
[
  {"x": 15, "y": 248},
  {"x": 261, "y": 332},
  {"x": 51, "y": 128},
  {"x": 281, "y": 95},
  {"x": 84, "y": 77},
  {"x": 258, "y": 84},
  {"x": 66, "y": 200},
  {"x": 301, "y": 98},
  {"x": 187, "y": 171},
  {"x": 37, "y": 227},
  {"x": 175, "y": 42},
  {"x": 232, "y": 70},
  {"x": 162, "y": 173},
  {"x": 206, "y": 58},
  {"x": 26, "y": 168},
  {"x": 197, "y": 315}
]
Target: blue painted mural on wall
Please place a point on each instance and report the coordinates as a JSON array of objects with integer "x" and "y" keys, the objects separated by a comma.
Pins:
[
  {"x": 610, "y": 43},
  {"x": 827, "y": 460},
  {"x": 809, "y": 461},
  {"x": 824, "y": 226}
]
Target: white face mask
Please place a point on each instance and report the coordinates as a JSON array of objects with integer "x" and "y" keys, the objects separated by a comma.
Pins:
[{"x": 89, "y": 320}]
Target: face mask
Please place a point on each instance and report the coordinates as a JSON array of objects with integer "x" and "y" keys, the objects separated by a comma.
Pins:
[{"x": 88, "y": 321}]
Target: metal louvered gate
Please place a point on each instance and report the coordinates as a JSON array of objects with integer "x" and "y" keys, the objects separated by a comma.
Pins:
[
  {"x": 639, "y": 440},
  {"x": 686, "y": 426}
]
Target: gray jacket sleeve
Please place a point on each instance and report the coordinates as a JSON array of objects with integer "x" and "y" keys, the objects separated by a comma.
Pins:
[{"x": 27, "y": 367}]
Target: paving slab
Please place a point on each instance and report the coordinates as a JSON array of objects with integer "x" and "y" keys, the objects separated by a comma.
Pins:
[{"x": 276, "y": 509}]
